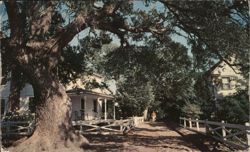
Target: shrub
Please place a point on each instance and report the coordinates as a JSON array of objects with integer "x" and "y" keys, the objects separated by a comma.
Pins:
[{"x": 234, "y": 109}]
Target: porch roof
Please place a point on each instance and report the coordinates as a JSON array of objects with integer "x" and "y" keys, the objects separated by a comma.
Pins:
[{"x": 78, "y": 91}]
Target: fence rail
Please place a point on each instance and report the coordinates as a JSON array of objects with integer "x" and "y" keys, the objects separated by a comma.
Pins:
[
  {"x": 21, "y": 128},
  {"x": 232, "y": 134}
]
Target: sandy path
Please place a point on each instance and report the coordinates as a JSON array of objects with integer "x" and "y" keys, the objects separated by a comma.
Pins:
[{"x": 154, "y": 137}]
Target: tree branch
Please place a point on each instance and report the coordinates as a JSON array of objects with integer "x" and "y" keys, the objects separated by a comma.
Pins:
[
  {"x": 66, "y": 34},
  {"x": 97, "y": 20},
  {"x": 81, "y": 22},
  {"x": 189, "y": 29},
  {"x": 15, "y": 21},
  {"x": 40, "y": 26}
]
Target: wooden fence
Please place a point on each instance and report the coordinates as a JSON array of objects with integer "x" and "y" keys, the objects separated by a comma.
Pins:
[
  {"x": 109, "y": 125},
  {"x": 20, "y": 128},
  {"x": 98, "y": 126},
  {"x": 232, "y": 134},
  {"x": 26, "y": 128}
]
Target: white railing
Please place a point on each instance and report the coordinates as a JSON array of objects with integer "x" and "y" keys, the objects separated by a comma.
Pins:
[
  {"x": 233, "y": 134},
  {"x": 110, "y": 125},
  {"x": 138, "y": 120}
]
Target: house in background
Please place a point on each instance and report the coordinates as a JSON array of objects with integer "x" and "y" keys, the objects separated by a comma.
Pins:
[
  {"x": 88, "y": 101},
  {"x": 26, "y": 95},
  {"x": 226, "y": 79}
]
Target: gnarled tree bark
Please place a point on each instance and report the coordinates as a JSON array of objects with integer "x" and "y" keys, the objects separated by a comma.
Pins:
[
  {"x": 16, "y": 84},
  {"x": 54, "y": 131},
  {"x": 38, "y": 59}
]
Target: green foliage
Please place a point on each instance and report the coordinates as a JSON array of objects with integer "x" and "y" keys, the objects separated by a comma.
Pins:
[
  {"x": 155, "y": 76},
  {"x": 215, "y": 30},
  {"x": 191, "y": 110},
  {"x": 234, "y": 109},
  {"x": 204, "y": 95},
  {"x": 72, "y": 64},
  {"x": 134, "y": 97}
]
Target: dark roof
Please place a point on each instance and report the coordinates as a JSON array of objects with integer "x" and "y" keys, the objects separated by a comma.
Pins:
[
  {"x": 214, "y": 67},
  {"x": 79, "y": 91}
]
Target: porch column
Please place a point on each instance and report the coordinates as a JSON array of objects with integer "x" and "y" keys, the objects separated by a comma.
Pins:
[
  {"x": 105, "y": 109},
  {"x": 99, "y": 108},
  {"x": 114, "y": 111},
  {"x": 115, "y": 105}
]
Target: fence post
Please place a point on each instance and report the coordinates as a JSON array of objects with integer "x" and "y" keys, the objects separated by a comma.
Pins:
[
  {"x": 185, "y": 122},
  {"x": 223, "y": 129},
  {"x": 197, "y": 124},
  {"x": 136, "y": 121},
  {"x": 207, "y": 127},
  {"x": 29, "y": 127},
  {"x": 190, "y": 123},
  {"x": 80, "y": 128},
  {"x": 121, "y": 127},
  {"x": 248, "y": 135}
]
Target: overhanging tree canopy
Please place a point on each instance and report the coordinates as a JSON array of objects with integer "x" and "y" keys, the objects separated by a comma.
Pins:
[{"x": 34, "y": 51}]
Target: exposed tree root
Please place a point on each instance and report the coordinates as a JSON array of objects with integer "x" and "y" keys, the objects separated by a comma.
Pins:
[{"x": 74, "y": 142}]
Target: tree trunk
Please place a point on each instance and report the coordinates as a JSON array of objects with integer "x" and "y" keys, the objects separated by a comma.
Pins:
[
  {"x": 16, "y": 85},
  {"x": 54, "y": 131},
  {"x": 38, "y": 56}
]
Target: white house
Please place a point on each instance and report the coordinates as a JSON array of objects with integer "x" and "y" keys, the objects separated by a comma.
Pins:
[
  {"x": 87, "y": 103},
  {"x": 26, "y": 95},
  {"x": 226, "y": 79},
  {"x": 90, "y": 103}
]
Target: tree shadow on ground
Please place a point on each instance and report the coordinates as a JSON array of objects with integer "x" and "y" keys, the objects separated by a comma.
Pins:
[
  {"x": 200, "y": 141},
  {"x": 158, "y": 136},
  {"x": 123, "y": 143},
  {"x": 145, "y": 138}
]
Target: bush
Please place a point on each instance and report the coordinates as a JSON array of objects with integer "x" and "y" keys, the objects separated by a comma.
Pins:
[
  {"x": 234, "y": 109},
  {"x": 191, "y": 110},
  {"x": 19, "y": 116}
]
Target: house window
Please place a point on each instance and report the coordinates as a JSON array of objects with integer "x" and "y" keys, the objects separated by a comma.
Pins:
[
  {"x": 82, "y": 104},
  {"x": 2, "y": 106},
  {"x": 226, "y": 83},
  {"x": 233, "y": 78},
  {"x": 82, "y": 111},
  {"x": 95, "y": 105}
]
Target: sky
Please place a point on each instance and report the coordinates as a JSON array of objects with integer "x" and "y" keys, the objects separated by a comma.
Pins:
[{"x": 3, "y": 15}]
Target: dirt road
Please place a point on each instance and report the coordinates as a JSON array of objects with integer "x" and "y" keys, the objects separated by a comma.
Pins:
[{"x": 154, "y": 137}]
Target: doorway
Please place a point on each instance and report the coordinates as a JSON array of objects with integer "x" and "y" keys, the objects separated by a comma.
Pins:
[{"x": 82, "y": 110}]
